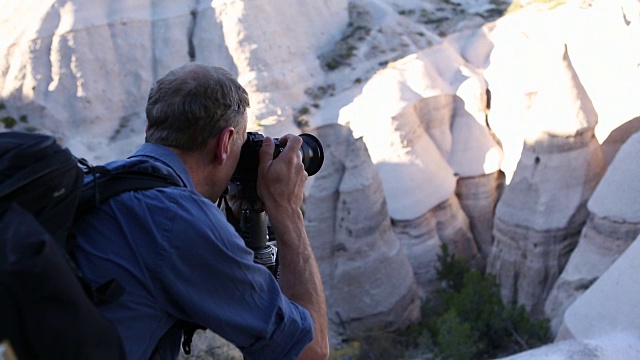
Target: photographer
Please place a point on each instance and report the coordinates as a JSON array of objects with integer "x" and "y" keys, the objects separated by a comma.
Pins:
[{"x": 177, "y": 256}]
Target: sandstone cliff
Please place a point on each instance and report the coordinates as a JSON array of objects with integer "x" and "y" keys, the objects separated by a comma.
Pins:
[
  {"x": 368, "y": 279},
  {"x": 613, "y": 225},
  {"x": 492, "y": 140}
]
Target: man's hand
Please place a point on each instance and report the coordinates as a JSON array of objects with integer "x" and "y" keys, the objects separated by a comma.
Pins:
[
  {"x": 281, "y": 180},
  {"x": 281, "y": 188}
]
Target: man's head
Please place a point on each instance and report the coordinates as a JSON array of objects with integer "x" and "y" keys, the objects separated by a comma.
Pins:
[
  {"x": 192, "y": 104},
  {"x": 199, "y": 111}
]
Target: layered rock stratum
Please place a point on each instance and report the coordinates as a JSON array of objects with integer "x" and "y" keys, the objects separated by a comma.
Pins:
[
  {"x": 368, "y": 280},
  {"x": 613, "y": 225},
  {"x": 539, "y": 217}
]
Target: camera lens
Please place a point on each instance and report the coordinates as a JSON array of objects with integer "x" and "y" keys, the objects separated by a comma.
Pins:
[
  {"x": 247, "y": 168},
  {"x": 312, "y": 154}
]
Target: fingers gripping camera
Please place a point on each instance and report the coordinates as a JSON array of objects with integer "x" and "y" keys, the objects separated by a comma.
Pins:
[
  {"x": 252, "y": 223},
  {"x": 243, "y": 181}
]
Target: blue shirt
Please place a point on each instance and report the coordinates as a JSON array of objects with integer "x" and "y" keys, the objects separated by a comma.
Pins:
[{"x": 179, "y": 259}]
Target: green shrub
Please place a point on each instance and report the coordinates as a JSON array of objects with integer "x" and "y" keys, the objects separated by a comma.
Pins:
[
  {"x": 471, "y": 316},
  {"x": 456, "y": 338},
  {"x": 9, "y": 122},
  {"x": 466, "y": 320}
]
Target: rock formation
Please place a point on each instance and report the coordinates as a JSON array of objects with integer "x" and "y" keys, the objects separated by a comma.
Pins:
[
  {"x": 368, "y": 280},
  {"x": 614, "y": 223},
  {"x": 614, "y": 346},
  {"x": 514, "y": 71},
  {"x": 82, "y": 71},
  {"x": 608, "y": 298},
  {"x": 541, "y": 213},
  {"x": 430, "y": 118},
  {"x": 618, "y": 137},
  {"x": 423, "y": 237},
  {"x": 437, "y": 158},
  {"x": 275, "y": 72},
  {"x": 476, "y": 157},
  {"x": 208, "y": 345},
  {"x": 478, "y": 197}
]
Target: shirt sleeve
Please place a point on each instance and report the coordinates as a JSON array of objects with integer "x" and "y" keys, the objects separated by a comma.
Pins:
[{"x": 208, "y": 277}]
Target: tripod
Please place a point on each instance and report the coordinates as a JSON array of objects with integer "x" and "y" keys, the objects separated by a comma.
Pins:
[{"x": 253, "y": 227}]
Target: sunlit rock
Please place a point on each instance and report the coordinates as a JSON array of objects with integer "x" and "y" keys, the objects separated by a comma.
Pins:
[
  {"x": 524, "y": 40},
  {"x": 368, "y": 280},
  {"x": 474, "y": 45},
  {"x": 542, "y": 211},
  {"x": 476, "y": 157},
  {"x": 611, "y": 68},
  {"x": 82, "y": 71},
  {"x": 276, "y": 72},
  {"x": 415, "y": 176},
  {"x": 610, "y": 305},
  {"x": 613, "y": 225},
  {"x": 420, "y": 118},
  {"x": 456, "y": 122}
]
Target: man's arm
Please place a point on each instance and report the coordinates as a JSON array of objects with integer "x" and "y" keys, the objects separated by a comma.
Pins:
[{"x": 281, "y": 188}]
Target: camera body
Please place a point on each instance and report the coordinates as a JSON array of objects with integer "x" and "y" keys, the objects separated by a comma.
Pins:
[
  {"x": 252, "y": 225},
  {"x": 245, "y": 176}
]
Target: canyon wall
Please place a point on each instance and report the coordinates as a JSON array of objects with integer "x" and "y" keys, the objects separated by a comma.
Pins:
[{"x": 500, "y": 140}]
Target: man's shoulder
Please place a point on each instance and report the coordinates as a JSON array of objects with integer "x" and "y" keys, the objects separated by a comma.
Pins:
[
  {"x": 149, "y": 161},
  {"x": 146, "y": 167}
]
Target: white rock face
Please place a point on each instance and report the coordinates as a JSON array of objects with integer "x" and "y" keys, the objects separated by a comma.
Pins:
[
  {"x": 528, "y": 38},
  {"x": 368, "y": 280},
  {"x": 618, "y": 137},
  {"x": 613, "y": 346},
  {"x": 613, "y": 297},
  {"x": 478, "y": 197},
  {"x": 276, "y": 72},
  {"x": 423, "y": 237},
  {"x": 617, "y": 194},
  {"x": 81, "y": 70},
  {"x": 535, "y": 232},
  {"x": 424, "y": 121},
  {"x": 601, "y": 243},
  {"x": 406, "y": 157},
  {"x": 613, "y": 225}
]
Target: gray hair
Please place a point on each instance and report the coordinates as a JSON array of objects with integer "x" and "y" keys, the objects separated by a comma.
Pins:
[{"x": 192, "y": 104}]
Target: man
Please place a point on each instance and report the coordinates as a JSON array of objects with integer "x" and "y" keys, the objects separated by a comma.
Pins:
[{"x": 175, "y": 253}]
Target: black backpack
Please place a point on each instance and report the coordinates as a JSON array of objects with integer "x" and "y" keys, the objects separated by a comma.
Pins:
[{"x": 46, "y": 310}]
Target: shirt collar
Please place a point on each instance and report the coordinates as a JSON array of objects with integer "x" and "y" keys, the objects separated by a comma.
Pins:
[{"x": 167, "y": 157}]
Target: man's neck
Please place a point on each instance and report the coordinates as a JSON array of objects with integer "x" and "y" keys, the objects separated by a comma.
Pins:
[{"x": 200, "y": 169}]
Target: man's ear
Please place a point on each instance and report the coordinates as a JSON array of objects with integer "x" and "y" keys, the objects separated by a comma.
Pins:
[{"x": 223, "y": 144}]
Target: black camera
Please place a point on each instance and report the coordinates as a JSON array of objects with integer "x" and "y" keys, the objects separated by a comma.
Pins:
[
  {"x": 252, "y": 225},
  {"x": 246, "y": 172}
]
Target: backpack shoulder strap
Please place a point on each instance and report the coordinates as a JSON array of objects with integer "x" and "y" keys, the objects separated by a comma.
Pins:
[
  {"x": 105, "y": 183},
  {"x": 102, "y": 183}
]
